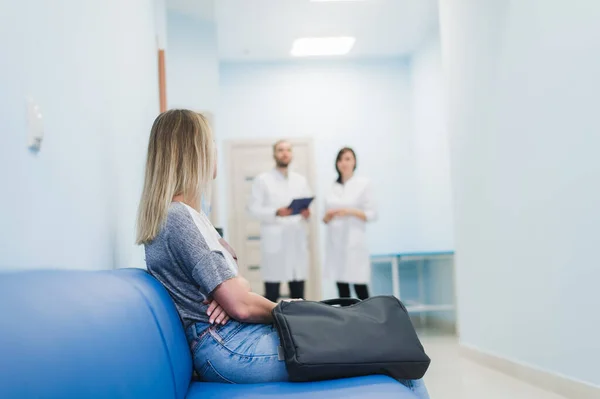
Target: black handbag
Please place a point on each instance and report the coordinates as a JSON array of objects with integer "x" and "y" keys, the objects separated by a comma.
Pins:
[{"x": 375, "y": 336}]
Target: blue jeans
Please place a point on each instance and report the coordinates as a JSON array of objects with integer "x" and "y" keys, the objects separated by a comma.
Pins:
[{"x": 240, "y": 353}]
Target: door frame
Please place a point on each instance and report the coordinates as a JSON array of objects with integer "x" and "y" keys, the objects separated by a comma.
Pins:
[{"x": 314, "y": 282}]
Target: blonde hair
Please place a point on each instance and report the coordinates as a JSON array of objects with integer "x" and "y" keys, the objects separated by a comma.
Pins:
[{"x": 181, "y": 161}]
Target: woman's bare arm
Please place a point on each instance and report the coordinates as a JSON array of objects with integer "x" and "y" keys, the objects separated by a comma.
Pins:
[{"x": 241, "y": 304}]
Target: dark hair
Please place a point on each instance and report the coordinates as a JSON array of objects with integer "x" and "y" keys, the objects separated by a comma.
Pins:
[{"x": 339, "y": 156}]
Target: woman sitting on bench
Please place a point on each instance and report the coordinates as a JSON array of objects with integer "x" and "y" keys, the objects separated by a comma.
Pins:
[{"x": 229, "y": 328}]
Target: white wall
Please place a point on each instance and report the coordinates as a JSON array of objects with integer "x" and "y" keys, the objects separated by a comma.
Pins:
[
  {"x": 364, "y": 105},
  {"x": 160, "y": 23},
  {"x": 523, "y": 109},
  {"x": 434, "y": 230},
  {"x": 192, "y": 63},
  {"x": 91, "y": 66}
]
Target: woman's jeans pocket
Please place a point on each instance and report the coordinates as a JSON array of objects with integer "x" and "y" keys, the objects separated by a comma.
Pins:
[
  {"x": 209, "y": 373},
  {"x": 238, "y": 353}
]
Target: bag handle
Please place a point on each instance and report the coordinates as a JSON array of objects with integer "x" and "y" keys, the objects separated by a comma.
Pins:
[{"x": 341, "y": 301}]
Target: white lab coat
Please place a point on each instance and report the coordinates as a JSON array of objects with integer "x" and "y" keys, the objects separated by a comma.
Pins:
[
  {"x": 347, "y": 257},
  {"x": 284, "y": 244}
]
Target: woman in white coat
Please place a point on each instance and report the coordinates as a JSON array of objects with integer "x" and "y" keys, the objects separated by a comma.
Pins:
[{"x": 349, "y": 205}]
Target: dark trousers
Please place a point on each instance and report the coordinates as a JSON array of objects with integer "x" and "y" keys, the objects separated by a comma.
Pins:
[
  {"x": 272, "y": 290},
  {"x": 362, "y": 292}
]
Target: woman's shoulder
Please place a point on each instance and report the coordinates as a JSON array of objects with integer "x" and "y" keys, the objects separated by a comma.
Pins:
[
  {"x": 179, "y": 215},
  {"x": 187, "y": 222},
  {"x": 183, "y": 220},
  {"x": 177, "y": 230}
]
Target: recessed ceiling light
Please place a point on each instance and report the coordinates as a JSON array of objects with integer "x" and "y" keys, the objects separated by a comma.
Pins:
[{"x": 316, "y": 46}]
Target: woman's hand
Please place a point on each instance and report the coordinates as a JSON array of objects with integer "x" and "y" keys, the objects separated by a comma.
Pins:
[
  {"x": 330, "y": 214},
  {"x": 353, "y": 212},
  {"x": 336, "y": 213},
  {"x": 343, "y": 212},
  {"x": 216, "y": 313}
]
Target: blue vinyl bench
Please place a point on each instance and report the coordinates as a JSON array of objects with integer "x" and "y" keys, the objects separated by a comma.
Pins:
[{"x": 116, "y": 334}]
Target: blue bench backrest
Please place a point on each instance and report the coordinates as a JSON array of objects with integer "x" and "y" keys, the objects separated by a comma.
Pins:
[{"x": 79, "y": 334}]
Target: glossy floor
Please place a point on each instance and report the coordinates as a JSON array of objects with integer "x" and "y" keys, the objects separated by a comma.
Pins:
[{"x": 454, "y": 377}]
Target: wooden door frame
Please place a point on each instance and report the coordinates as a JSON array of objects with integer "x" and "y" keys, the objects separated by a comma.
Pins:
[{"x": 314, "y": 281}]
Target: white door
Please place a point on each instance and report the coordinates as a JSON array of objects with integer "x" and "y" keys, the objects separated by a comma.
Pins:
[{"x": 247, "y": 159}]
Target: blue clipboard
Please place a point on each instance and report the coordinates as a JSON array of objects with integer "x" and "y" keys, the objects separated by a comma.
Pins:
[{"x": 300, "y": 204}]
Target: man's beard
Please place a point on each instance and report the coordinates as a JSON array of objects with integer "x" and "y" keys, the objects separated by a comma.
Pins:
[{"x": 282, "y": 164}]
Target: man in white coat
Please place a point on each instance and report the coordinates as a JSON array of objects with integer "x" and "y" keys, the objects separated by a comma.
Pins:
[{"x": 284, "y": 244}]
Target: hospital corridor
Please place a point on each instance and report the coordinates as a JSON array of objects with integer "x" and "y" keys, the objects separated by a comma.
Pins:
[{"x": 299, "y": 199}]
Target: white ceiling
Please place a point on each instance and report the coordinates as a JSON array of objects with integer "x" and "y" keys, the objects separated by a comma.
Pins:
[{"x": 253, "y": 30}]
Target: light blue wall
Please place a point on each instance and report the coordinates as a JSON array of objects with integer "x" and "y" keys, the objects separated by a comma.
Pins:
[
  {"x": 523, "y": 109},
  {"x": 434, "y": 229},
  {"x": 431, "y": 152},
  {"x": 160, "y": 23},
  {"x": 91, "y": 66},
  {"x": 192, "y": 62}
]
